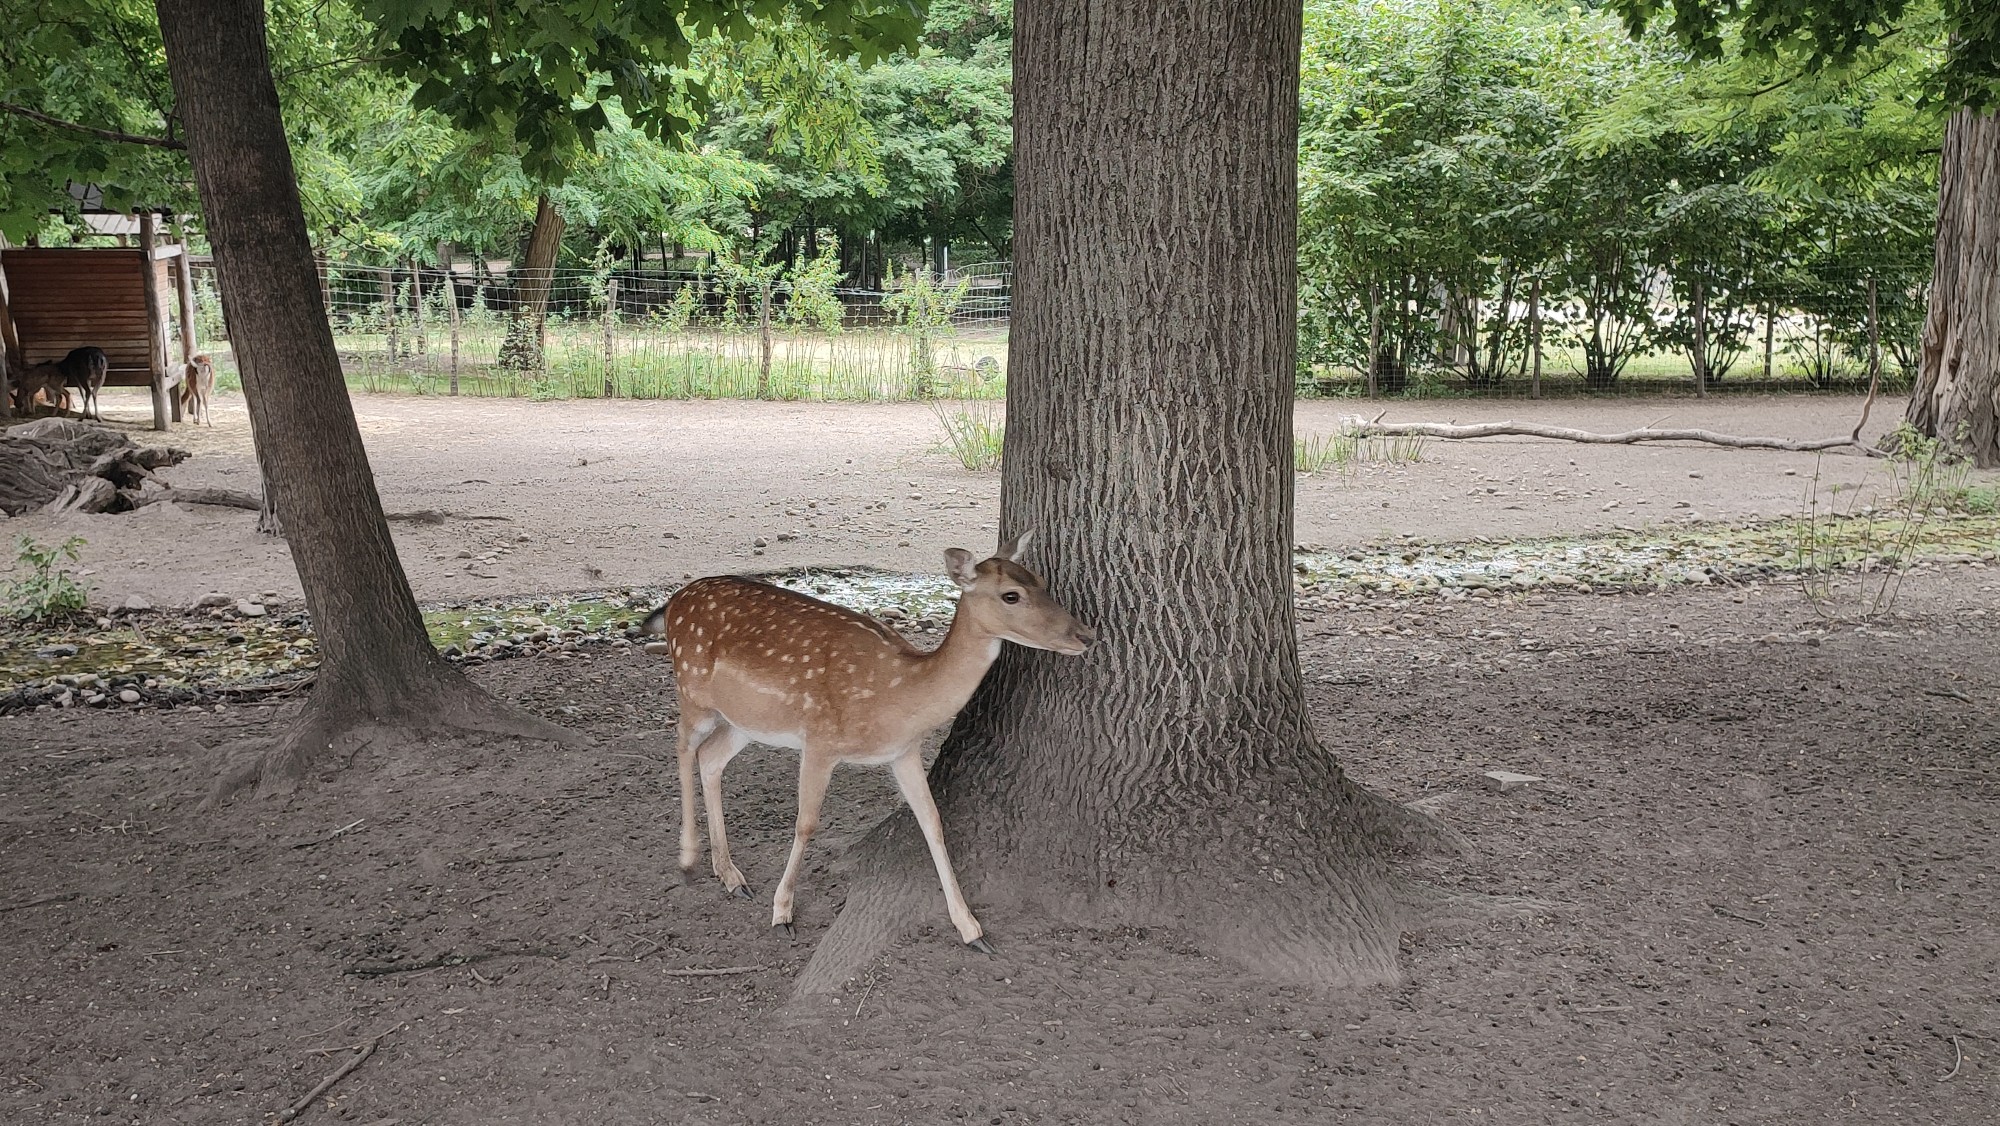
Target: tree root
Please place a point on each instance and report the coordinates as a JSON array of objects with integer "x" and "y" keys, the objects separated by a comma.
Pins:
[
  {"x": 337, "y": 725},
  {"x": 1335, "y": 928},
  {"x": 1368, "y": 429}
]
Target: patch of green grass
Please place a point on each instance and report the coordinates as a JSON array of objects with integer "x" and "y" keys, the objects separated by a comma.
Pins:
[
  {"x": 46, "y": 590},
  {"x": 974, "y": 434},
  {"x": 1344, "y": 451}
]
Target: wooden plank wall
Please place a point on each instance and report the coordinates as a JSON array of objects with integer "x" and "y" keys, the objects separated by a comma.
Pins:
[{"x": 64, "y": 298}]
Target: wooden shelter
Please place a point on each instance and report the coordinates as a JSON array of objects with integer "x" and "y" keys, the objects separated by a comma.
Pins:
[{"x": 53, "y": 299}]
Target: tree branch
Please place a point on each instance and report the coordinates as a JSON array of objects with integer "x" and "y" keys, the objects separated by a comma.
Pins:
[
  {"x": 106, "y": 134},
  {"x": 1627, "y": 437}
]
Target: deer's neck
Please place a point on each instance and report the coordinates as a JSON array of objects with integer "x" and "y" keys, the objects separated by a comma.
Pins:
[{"x": 951, "y": 671}]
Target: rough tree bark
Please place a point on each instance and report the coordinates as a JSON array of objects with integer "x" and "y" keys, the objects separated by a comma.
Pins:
[
  {"x": 1171, "y": 776},
  {"x": 1957, "y": 396},
  {"x": 534, "y": 275},
  {"x": 379, "y": 674}
]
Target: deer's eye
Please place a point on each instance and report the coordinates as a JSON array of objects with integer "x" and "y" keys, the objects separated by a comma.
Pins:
[{"x": 1010, "y": 597}]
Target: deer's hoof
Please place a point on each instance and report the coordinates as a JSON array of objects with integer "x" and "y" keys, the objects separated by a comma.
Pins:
[
  {"x": 984, "y": 947},
  {"x": 742, "y": 891},
  {"x": 790, "y": 931}
]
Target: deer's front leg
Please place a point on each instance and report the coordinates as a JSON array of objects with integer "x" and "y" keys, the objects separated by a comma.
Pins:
[
  {"x": 815, "y": 771},
  {"x": 909, "y": 772}
]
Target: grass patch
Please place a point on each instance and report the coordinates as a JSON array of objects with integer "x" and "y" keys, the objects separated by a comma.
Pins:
[{"x": 974, "y": 434}]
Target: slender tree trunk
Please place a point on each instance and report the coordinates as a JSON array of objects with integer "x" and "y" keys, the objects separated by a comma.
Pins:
[
  {"x": 1170, "y": 776},
  {"x": 1957, "y": 395},
  {"x": 378, "y": 668},
  {"x": 527, "y": 330}
]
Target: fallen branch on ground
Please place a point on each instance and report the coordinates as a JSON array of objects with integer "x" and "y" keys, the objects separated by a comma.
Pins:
[
  {"x": 325, "y": 1085},
  {"x": 227, "y": 498},
  {"x": 1368, "y": 429}
]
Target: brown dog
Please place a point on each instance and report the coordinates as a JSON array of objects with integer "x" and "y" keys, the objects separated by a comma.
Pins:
[
  {"x": 197, "y": 386},
  {"x": 84, "y": 369}
]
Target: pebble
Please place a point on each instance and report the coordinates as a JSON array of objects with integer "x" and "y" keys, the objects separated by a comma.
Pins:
[
  {"x": 135, "y": 602},
  {"x": 129, "y": 696},
  {"x": 250, "y": 609},
  {"x": 659, "y": 648},
  {"x": 212, "y": 600}
]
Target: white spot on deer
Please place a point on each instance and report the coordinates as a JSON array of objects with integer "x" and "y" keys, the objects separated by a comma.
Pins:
[{"x": 894, "y": 681}]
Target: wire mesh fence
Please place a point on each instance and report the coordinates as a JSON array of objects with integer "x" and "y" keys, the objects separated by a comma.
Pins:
[
  {"x": 688, "y": 334},
  {"x": 475, "y": 330},
  {"x": 1825, "y": 330}
]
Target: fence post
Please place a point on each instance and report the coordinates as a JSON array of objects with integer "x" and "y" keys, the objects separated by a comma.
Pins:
[
  {"x": 387, "y": 277},
  {"x": 451, "y": 314},
  {"x": 1770, "y": 324},
  {"x": 1374, "y": 333},
  {"x": 1874, "y": 338},
  {"x": 610, "y": 341},
  {"x": 1700, "y": 341},
  {"x": 1535, "y": 337},
  {"x": 417, "y": 293}
]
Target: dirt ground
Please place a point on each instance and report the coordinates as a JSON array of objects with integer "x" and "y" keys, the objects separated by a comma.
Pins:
[
  {"x": 589, "y": 494},
  {"x": 1765, "y": 840}
]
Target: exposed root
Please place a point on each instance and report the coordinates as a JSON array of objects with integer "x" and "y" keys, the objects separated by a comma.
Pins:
[
  {"x": 892, "y": 882},
  {"x": 336, "y": 726}
]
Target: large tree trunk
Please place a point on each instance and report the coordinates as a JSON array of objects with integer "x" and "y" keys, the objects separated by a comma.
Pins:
[
  {"x": 378, "y": 668},
  {"x": 1957, "y": 396},
  {"x": 1171, "y": 776},
  {"x": 526, "y": 343}
]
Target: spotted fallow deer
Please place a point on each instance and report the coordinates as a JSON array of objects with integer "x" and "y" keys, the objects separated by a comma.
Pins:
[{"x": 759, "y": 663}]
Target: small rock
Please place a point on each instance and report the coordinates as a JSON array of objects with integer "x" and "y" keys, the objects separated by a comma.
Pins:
[
  {"x": 250, "y": 609},
  {"x": 759, "y": 543},
  {"x": 129, "y": 696},
  {"x": 135, "y": 602},
  {"x": 1506, "y": 780},
  {"x": 659, "y": 648},
  {"x": 56, "y": 651},
  {"x": 890, "y": 614},
  {"x": 212, "y": 600}
]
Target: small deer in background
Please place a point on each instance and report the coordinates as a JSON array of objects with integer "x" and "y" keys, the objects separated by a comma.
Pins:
[
  {"x": 85, "y": 369},
  {"x": 197, "y": 386},
  {"x": 45, "y": 380},
  {"x": 759, "y": 663}
]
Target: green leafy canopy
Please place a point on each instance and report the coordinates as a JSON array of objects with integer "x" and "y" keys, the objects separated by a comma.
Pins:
[
  {"x": 542, "y": 74},
  {"x": 1832, "y": 32}
]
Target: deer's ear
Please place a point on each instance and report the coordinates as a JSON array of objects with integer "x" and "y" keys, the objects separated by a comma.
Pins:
[
  {"x": 1012, "y": 549},
  {"x": 963, "y": 569}
]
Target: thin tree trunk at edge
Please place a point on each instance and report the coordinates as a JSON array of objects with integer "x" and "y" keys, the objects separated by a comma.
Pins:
[
  {"x": 378, "y": 668},
  {"x": 1957, "y": 394}
]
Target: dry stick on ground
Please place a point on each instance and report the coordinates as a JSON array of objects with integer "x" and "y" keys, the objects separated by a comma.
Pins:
[
  {"x": 1627, "y": 437},
  {"x": 711, "y": 973},
  {"x": 64, "y": 898},
  {"x": 360, "y": 1057}
]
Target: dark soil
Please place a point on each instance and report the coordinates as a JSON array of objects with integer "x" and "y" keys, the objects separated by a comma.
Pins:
[{"x": 1765, "y": 843}]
